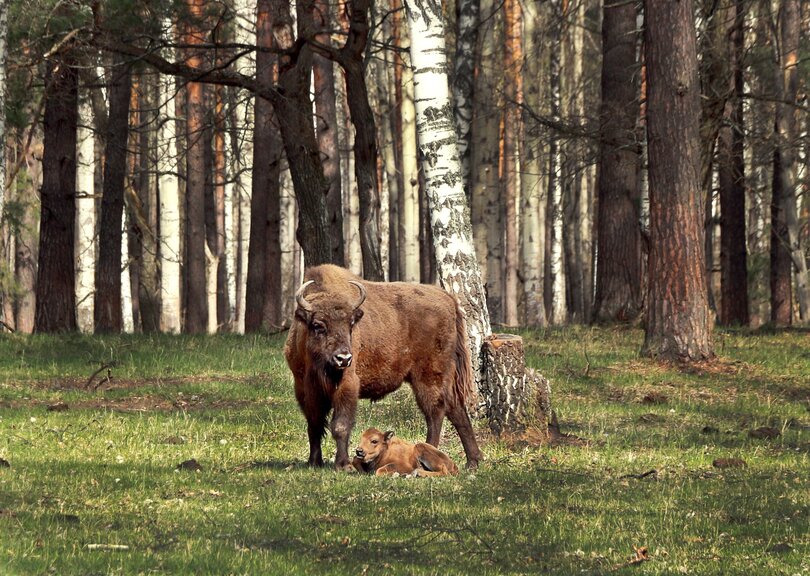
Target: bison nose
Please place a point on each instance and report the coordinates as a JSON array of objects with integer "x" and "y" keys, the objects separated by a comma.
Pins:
[
  {"x": 343, "y": 360},
  {"x": 360, "y": 452}
]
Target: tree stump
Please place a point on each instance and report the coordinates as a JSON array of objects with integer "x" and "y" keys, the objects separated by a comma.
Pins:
[{"x": 511, "y": 396}]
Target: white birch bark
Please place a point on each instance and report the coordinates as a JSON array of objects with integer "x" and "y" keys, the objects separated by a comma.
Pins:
[
  {"x": 242, "y": 160},
  {"x": 126, "y": 286},
  {"x": 169, "y": 197},
  {"x": 85, "y": 218},
  {"x": 290, "y": 250},
  {"x": 409, "y": 212},
  {"x": 558, "y": 303},
  {"x": 532, "y": 182},
  {"x": 450, "y": 218}
]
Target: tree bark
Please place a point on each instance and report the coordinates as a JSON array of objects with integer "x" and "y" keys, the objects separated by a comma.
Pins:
[
  {"x": 263, "y": 298},
  {"x": 619, "y": 295},
  {"x": 85, "y": 218},
  {"x": 533, "y": 191},
  {"x": 56, "y": 281},
  {"x": 450, "y": 220},
  {"x": 327, "y": 127},
  {"x": 677, "y": 319},
  {"x": 733, "y": 258},
  {"x": 513, "y": 61},
  {"x": 464, "y": 83},
  {"x": 351, "y": 59},
  {"x": 559, "y": 307},
  {"x": 786, "y": 245},
  {"x": 169, "y": 198}
]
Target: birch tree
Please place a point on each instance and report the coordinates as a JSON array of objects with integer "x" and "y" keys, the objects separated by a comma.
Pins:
[
  {"x": 85, "y": 218},
  {"x": 555, "y": 185},
  {"x": 450, "y": 220},
  {"x": 169, "y": 198},
  {"x": 464, "y": 83}
]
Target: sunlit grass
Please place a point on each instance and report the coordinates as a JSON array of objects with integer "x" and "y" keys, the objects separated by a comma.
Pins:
[{"x": 104, "y": 471}]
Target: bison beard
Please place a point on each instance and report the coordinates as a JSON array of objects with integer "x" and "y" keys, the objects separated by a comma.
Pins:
[{"x": 409, "y": 333}]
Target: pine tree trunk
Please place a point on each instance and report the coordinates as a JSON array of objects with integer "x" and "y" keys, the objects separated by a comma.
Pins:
[
  {"x": 6, "y": 312},
  {"x": 450, "y": 220},
  {"x": 327, "y": 127},
  {"x": 263, "y": 298},
  {"x": 619, "y": 257},
  {"x": 85, "y": 218},
  {"x": 196, "y": 298},
  {"x": 351, "y": 59},
  {"x": 108, "y": 311},
  {"x": 223, "y": 320},
  {"x": 56, "y": 281},
  {"x": 733, "y": 258},
  {"x": 677, "y": 322}
]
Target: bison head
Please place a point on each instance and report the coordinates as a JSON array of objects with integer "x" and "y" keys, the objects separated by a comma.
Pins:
[
  {"x": 373, "y": 443},
  {"x": 330, "y": 318}
]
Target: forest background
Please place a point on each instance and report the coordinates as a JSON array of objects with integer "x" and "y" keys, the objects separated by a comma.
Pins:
[{"x": 173, "y": 166}]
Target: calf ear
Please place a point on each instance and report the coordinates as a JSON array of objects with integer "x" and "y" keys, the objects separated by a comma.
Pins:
[{"x": 389, "y": 435}]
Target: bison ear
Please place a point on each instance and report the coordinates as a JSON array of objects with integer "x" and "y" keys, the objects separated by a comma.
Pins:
[
  {"x": 389, "y": 435},
  {"x": 357, "y": 315},
  {"x": 303, "y": 315}
]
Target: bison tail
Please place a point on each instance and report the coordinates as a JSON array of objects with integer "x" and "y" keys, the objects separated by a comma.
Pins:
[{"x": 463, "y": 389}]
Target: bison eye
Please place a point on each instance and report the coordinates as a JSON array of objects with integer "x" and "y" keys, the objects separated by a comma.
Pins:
[{"x": 319, "y": 327}]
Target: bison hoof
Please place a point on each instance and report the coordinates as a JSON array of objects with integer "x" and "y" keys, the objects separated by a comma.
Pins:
[
  {"x": 472, "y": 464},
  {"x": 345, "y": 468}
]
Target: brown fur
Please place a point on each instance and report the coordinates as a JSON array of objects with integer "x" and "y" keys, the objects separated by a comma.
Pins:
[
  {"x": 402, "y": 332},
  {"x": 380, "y": 454}
]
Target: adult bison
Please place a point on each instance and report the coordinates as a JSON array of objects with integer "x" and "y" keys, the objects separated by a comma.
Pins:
[{"x": 354, "y": 339}]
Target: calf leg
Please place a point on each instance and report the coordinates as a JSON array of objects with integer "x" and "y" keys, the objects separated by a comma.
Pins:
[
  {"x": 434, "y": 461},
  {"x": 461, "y": 422}
]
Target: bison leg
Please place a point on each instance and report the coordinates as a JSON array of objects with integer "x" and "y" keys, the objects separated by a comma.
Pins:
[
  {"x": 316, "y": 426},
  {"x": 430, "y": 402},
  {"x": 345, "y": 407},
  {"x": 461, "y": 422}
]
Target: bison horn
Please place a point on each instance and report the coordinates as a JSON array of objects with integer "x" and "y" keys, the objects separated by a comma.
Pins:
[
  {"x": 299, "y": 296},
  {"x": 362, "y": 293}
]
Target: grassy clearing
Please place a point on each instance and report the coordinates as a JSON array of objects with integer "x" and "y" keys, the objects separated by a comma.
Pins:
[{"x": 104, "y": 471}]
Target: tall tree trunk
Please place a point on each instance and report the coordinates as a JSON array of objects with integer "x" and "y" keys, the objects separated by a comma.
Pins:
[
  {"x": 619, "y": 255},
  {"x": 464, "y": 83},
  {"x": 26, "y": 240},
  {"x": 220, "y": 178},
  {"x": 85, "y": 218},
  {"x": 450, "y": 220},
  {"x": 786, "y": 243},
  {"x": 351, "y": 59},
  {"x": 294, "y": 113},
  {"x": 533, "y": 193},
  {"x": 5, "y": 308},
  {"x": 514, "y": 99},
  {"x": 263, "y": 299},
  {"x": 677, "y": 321},
  {"x": 559, "y": 307},
  {"x": 196, "y": 313},
  {"x": 169, "y": 198},
  {"x": 409, "y": 196},
  {"x": 733, "y": 264},
  {"x": 56, "y": 281},
  {"x": 327, "y": 127}
]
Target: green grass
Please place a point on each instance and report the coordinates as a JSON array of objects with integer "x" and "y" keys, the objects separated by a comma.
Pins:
[{"x": 104, "y": 471}]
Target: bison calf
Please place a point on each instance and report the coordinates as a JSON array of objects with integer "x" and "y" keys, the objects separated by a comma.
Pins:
[
  {"x": 380, "y": 453},
  {"x": 354, "y": 339}
]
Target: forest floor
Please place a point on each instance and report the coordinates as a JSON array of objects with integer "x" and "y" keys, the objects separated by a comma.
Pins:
[{"x": 698, "y": 470}]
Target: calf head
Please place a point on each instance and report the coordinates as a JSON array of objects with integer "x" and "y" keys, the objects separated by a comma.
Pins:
[
  {"x": 373, "y": 443},
  {"x": 329, "y": 320}
]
